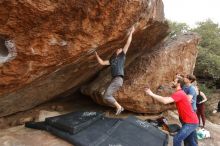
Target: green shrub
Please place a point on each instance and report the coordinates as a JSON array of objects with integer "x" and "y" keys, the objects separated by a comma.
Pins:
[{"x": 207, "y": 65}]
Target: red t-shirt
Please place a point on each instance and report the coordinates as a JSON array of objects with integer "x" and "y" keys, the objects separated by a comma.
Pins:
[{"x": 184, "y": 108}]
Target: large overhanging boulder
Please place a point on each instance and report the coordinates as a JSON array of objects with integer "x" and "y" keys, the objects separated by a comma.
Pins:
[
  {"x": 47, "y": 46},
  {"x": 156, "y": 68}
]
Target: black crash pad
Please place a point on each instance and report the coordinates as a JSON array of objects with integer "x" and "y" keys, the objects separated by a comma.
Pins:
[
  {"x": 73, "y": 122},
  {"x": 110, "y": 131},
  {"x": 135, "y": 132},
  {"x": 91, "y": 136}
]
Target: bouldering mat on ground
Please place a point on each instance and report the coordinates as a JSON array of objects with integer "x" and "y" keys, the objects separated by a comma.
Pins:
[
  {"x": 91, "y": 136},
  {"x": 36, "y": 125},
  {"x": 135, "y": 132},
  {"x": 112, "y": 131},
  {"x": 73, "y": 122}
]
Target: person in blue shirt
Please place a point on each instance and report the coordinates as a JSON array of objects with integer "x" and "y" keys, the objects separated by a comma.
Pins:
[{"x": 190, "y": 90}]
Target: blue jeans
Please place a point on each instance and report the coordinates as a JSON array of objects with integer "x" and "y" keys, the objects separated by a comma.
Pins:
[{"x": 186, "y": 133}]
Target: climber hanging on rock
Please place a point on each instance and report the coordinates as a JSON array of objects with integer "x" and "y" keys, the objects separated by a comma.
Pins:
[{"x": 116, "y": 62}]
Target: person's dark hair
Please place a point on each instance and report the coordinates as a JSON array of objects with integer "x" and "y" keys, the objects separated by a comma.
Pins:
[
  {"x": 192, "y": 78},
  {"x": 181, "y": 82}
]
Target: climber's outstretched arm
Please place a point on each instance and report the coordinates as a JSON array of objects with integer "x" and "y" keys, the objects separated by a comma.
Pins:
[
  {"x": 102, "y": 62},
  {"x": 125, "y": 49}
]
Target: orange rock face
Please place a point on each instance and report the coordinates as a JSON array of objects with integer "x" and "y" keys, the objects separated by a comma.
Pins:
[
  {"x": 156, "y": 69},
  {"x": 46, "y": 47}
]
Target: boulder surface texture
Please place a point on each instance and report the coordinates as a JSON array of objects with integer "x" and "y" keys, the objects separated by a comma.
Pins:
[{"x": 47, "y": 50}]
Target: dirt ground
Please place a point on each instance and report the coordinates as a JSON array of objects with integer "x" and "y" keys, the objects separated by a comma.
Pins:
[
  {"x": 14, "y": 133},
  {"x": 211, "y": 105}
]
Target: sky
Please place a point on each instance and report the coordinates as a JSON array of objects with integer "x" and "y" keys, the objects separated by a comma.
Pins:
[{"x": 192, "y": 11}]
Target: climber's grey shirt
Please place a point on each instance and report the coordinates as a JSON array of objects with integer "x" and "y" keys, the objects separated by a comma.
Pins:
[{"x": 117, "y": 64}]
